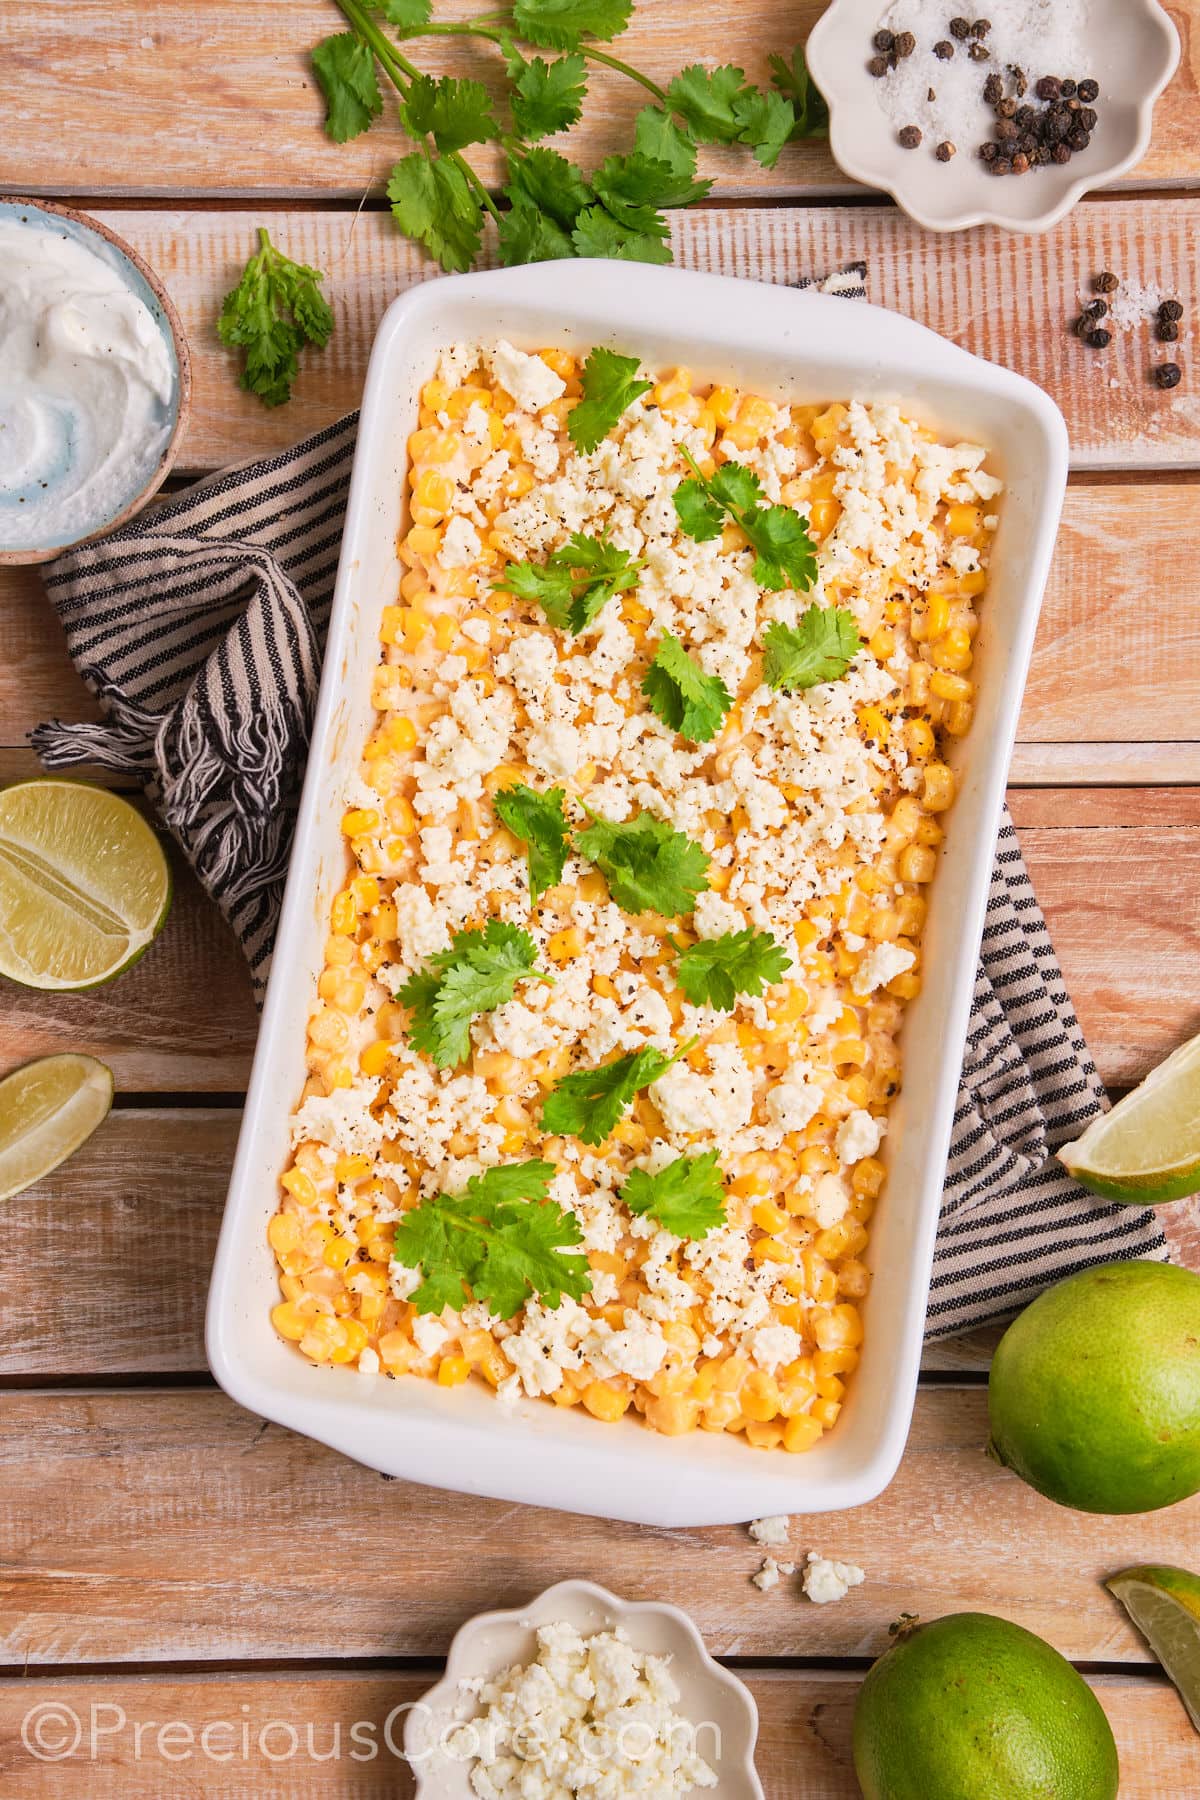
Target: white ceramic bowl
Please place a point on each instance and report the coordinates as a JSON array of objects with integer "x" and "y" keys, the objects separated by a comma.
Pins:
[
  {"x": 715, "y": 1702},
  {"x": 781, "y": 343},
  {"x": 1133, "y": 50}
]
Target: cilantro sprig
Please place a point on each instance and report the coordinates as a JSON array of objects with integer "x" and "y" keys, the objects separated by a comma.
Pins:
[
  {"x": 820, "y": 648},
  {"x": 542, "y": 826},
  {"x": 552, "y": 210},
  {"x": 714, "y": 971},
  {"x": 683, "y": 696},
  {"x": 576, "y": 583},
  {"x": 478, "y": 972},
  {"x": 686, "y": 1197},
  {"x": 276, "y": 308},
  {"x": 610, "y": 385},
  {"x": 786, "y": 555},
  {"x": 501, "y": 1241},
  {"x": 590, "y": 1103},
  {"x": 648, "y": 865}
]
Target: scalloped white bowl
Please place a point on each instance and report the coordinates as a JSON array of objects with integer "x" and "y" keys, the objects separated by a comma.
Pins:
[
  {"x": 1133, "y": 50},
  {"x": 715, "y": 1701}
]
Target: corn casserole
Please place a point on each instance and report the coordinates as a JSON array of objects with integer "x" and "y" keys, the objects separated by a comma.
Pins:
[{"x": 601, "y": 1058}]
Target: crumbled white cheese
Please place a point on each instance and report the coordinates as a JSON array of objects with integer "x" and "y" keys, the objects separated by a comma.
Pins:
[
  {"x": 527, "y": 378},
  {"x": 830, "y": 1199},
  {"x": 824, "y": 1580},
  {"x": 771, "y": 1529},
  {"x": 884, "y": 963},
  {"x": 859, "y": 1135},
  {"x": 461, "y": 543}
]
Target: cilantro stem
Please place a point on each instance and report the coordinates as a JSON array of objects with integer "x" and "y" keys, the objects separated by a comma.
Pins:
[
  {"x": 399, "y": 72},
  {"x": 478, "y": 28}
]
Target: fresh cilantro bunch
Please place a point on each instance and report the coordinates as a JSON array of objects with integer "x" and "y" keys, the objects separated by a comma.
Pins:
[
  {"x": 275, "y": 309},
  {"x": 541, "y": 823},
  {"x": 591, "y": 1102},
  {"x": 501, "y": 1241},
  {"x": 577, "y": 581},
  {"x": 786, "y": 555},
  {"x": 553, "y": 209},
  {"x": 648, "y": 865},
  {"x": 687, "y": 1197},
  {"x": 714, "y": 971},
  {"x": 820, "y": 648},
  {"x": 478, "y": 972},
  {"x": 683, "y": 696}
]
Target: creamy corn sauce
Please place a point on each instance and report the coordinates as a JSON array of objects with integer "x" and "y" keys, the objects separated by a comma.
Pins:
[{"x": 821, "y": 812}]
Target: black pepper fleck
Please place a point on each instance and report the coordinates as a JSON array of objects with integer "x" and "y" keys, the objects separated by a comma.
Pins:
[{"x": 1007, "y": 109}]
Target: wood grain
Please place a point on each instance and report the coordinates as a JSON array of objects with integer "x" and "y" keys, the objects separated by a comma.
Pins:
[
  {"x": 803, "y": 1746},
  {"x": 155, "y": 1525},
  {"x": 96, "y": 106},
  {"x": 1009, "y": 298},
  {"x": 1117, "y": 654},
  {"x": 107, "y": 1260}
]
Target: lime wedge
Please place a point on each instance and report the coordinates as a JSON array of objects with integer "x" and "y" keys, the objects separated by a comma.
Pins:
[
  {"x": 1147, "y": 1149},
  {"x": 1164, "y": 1604},
  {"x": 84, "y": 884},
  {"x": 47, "y": 1109}
]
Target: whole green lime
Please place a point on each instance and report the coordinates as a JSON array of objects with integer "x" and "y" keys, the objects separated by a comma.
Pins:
[
  {"x": 1094, "y": 1396},
  {"x": 974, "y": 1708}
]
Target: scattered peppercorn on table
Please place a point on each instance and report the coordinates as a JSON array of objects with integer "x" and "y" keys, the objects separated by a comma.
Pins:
[{"x": 279, "y": 1602}]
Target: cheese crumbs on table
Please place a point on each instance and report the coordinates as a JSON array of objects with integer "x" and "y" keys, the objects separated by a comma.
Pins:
[{"x": 601, "y": 1059}]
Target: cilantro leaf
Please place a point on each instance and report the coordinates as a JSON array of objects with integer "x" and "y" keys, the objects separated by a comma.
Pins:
[
  {"x": 591, "y": 1102},
  {"x": 797, "y": 85},
  {"x": 559, "y": 24},
  {"x": 597, "y": 233},
  {"x": 765, "y": 120},
  {"x": 705, "y": 98},
  {"x": 684, "y": 697},
  {"x": 686, "y": 1197},
  {"x": 554, "y": 185},
  {"x": 275, "y": 309},
  {"x": 545, "y": 97},
  {"x": 541, "y": 824},
  {"x": 821, "y": 648},
  {"x": 714, "y": 971},
  {"x": 577, "y": 581},
  {"x": 500, "y": 1241},
  {"x": 657, "y": 135},
  {"x": 649, "y": 867},
  {"x": 478, "y": 972},
  {"x": 632, "y": 187},
  {"x": 528, "y": 236},
  {"x": 345, "y": 68},
  {"x": 452, "y": 112},
  {"x": 610, "y": 385},
  {"x": 407, "y": 15},
  {"x": 786, "y": 553},
  {"x": 433, "y": 202}
]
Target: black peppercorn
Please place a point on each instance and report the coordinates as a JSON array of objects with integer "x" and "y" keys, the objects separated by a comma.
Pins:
[
  {"x": 884, "y": 40},
  {"x": 1096, "y": 309},
  {"x": 1020, "y": 163},
  {"x": 943, "y": 49},
  {"x": 1078, "y": 138},
  {"x": 1006, "y": 109},
  {"x": 980, "y": 28},
  {"x": 878, "y": 67},
  {"x": 945, "y": 150},
  {"x": 1170, "y": 309},
  {"x": 1068, "y": 90},
  {"x": 1088, "y": 91},
  {"x": 1167, "y": 331},
  {"x": 989, "y": 152},
  {"x": 1088, "y": 117},
  {"x": 960, "y": 28},
  {"x": 993, "y": 89},
  {"x": 1168, "y": 375},
  {"x": 1041, "y": 155},
  {"x": 905, "y": 44},
  {"x": 1048, "y": 88},
  {"x": 910, "y": 137},
  {"x": 1098, "y": 338},
  {"x": 1006, "y": 131},
  {"x": 1001, "y": 166},
  {"x": 1061, "y": 153},
  {"x": 1106, "y": 282},
  {"x": 979, "y": 52}
]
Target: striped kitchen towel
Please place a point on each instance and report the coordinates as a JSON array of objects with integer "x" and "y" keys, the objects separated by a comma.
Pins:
[{"x": 199, "y": 629}]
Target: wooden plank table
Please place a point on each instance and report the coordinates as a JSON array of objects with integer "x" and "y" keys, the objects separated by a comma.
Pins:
[{"x": 172, "y": 1563}]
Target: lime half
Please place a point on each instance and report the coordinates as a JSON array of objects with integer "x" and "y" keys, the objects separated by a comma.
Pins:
[
  {"x": 84, "y": 884},
  {"x": 1164, "y": 1604},
  {"x": 1147, "y": 1149},
  {"x": 47, "y": 1109}
]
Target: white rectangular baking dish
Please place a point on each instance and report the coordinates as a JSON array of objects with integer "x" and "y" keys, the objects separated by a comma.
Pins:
[{"x": 782, "y": 343}]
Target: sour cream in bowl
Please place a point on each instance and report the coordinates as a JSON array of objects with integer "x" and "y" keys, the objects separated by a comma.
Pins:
[{"x": 93, "y": 380}]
